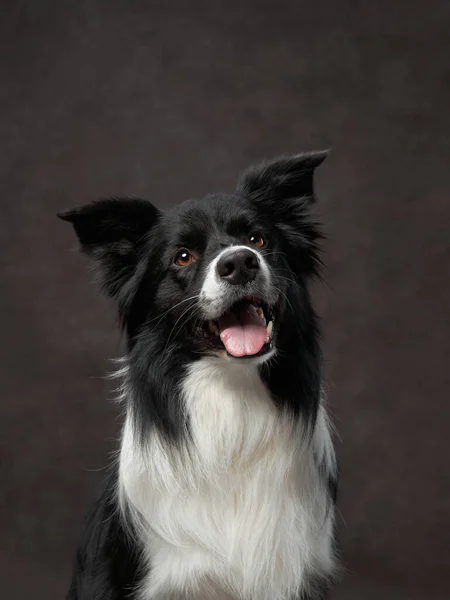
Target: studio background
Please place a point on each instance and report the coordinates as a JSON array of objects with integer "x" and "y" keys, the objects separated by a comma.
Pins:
[{"x": 167, "y": 101}]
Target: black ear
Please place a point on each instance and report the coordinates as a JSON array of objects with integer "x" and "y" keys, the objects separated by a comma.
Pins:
[
  {"x": 113, "y": 232},
  {"x": 282, "y": 178}
]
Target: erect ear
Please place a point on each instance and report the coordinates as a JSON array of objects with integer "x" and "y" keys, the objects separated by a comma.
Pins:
[
  {"x": 282, "y": 178},
  {"x": 113, "y": 232}
]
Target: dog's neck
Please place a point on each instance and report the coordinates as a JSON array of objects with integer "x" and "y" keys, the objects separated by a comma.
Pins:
[{"x": 231, "y": 416}]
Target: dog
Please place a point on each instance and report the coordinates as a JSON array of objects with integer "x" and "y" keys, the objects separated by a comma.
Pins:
[{"x": 225, "y": 486}]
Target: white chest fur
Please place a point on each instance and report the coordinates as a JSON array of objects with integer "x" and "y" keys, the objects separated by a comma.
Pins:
[{"x": 238, "y": 512}]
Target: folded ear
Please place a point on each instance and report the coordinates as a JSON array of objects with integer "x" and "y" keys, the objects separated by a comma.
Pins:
[
  {"x": 282, "y": 178},
  {"x": 113, "y": 232}
]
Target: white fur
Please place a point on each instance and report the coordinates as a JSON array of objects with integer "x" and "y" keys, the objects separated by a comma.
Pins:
[
  {"x": 214, "y": 290},
  {"x": 239, "y": 511}
]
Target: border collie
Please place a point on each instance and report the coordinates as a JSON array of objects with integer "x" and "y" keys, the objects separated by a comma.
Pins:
[{"x": 226, "y": 479}]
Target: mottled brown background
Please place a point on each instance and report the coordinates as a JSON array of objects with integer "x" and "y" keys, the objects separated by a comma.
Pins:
[{"x": 169, "y": 100}]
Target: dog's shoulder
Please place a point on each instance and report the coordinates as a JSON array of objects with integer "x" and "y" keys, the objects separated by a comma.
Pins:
[{"x": 106, "y": 561}]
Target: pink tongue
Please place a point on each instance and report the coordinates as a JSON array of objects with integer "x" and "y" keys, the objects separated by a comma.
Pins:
[{"x": 244, "y": 333}]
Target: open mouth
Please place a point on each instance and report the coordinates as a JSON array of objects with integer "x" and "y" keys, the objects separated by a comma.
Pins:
[{"x": 245, "y": 330}]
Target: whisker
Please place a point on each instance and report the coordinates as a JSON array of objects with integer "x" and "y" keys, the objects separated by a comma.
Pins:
[
  {"x": 160, "y": 317},
  {"x": 285, "y": 297},
  {"x": 273, "y": 252},
  {"x": 287, "y": 279},
  {"x": 195, "y": 311},
  {"x": 182, "y": 324}
]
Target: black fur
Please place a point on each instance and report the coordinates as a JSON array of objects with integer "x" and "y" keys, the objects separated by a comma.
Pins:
[
  {"x": 134, "y": 245},
  {"x": 106, "y": 564}
]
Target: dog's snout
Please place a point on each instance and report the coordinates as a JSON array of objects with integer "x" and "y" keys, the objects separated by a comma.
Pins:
[{"x": 238, "y": 267}]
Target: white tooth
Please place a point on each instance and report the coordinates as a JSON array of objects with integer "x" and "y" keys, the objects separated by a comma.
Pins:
[
  {"x": 261, "y": 315},
  {"x": 269, "y": 329},
  {"x": 211, "y": 326}
]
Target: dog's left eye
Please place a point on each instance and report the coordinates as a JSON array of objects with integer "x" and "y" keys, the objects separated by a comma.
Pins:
[
  {"x": 256, "y": 240},
  {"x": 183, "y": 258}
]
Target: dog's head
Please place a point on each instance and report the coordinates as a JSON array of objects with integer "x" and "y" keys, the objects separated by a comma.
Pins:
[{"x": 215, "y": 275}]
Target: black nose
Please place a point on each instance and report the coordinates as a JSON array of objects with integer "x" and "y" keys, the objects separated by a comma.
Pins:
[{"x": 238, "y": 267}]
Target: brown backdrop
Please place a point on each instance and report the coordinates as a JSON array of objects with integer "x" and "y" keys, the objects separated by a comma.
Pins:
[{"x": 170, "y": 100}]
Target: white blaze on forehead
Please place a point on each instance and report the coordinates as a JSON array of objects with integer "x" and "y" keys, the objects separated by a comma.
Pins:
[{"x": 213, "y": 288}]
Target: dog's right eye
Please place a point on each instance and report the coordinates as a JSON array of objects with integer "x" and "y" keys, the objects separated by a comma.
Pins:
[{"x": 183, "y": 258}]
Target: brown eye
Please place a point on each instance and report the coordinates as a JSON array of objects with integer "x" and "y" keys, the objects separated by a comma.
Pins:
[
  {"x": 183, "y": 258},
  {"x": 256, "y": 240}
]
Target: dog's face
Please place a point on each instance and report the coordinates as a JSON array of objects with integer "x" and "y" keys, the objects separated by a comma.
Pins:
[
  {"x": 214, "y": 275},
  {"x": 221, "y": 276}
]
